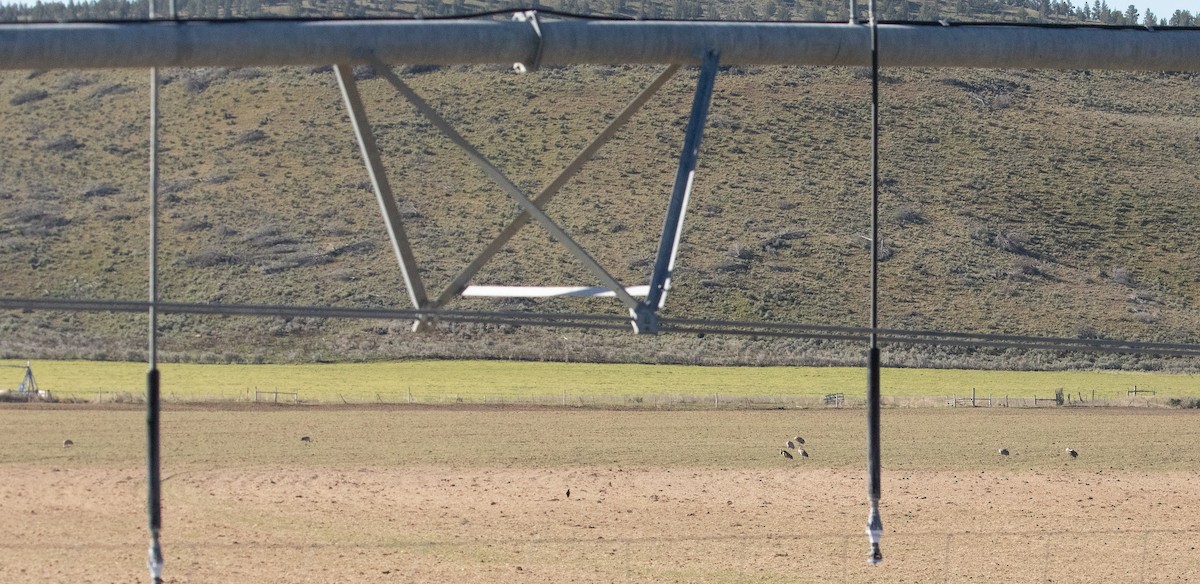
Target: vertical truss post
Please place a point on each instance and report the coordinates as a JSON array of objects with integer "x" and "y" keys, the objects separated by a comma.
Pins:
[
  {"x": 645, "y": 316},
  {"x": 381, "y": 186}
]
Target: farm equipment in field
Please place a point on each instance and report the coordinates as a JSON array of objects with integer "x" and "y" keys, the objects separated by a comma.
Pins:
[{"x": 28, "y": 388}]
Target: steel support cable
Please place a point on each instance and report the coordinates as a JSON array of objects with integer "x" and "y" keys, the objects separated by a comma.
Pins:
[
  {"x": 874, "y": 523},
  {"x": 899, "y": 335},
  {"x": 617, "y": 322}
]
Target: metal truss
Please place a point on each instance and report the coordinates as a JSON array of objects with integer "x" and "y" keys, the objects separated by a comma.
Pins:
[{"x": 644, "y": 312}]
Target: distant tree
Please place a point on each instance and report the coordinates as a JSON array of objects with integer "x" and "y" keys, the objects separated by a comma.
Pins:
[
  {"x": 1149, "y": 19},
  {"x": 1131, "y": 14},
  {"x": 1181, "y": 18}
]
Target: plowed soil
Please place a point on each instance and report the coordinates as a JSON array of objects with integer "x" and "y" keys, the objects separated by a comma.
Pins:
[{"x": 433, "y": 495}]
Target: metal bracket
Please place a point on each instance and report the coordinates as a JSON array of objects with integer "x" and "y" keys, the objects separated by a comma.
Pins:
[
  {"x": 645, "y": 320},
  {"x": 535, "y": 62}
]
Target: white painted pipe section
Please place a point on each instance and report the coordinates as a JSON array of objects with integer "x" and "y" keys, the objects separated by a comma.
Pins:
[
  {"x": 548, "y": 291},
  {"x": 571, "y": 42}
]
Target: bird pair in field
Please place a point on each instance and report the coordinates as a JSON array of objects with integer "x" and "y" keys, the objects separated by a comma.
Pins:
[
  {"x": 794, "y": 444},
  {"x": 1071, "y": 451}
]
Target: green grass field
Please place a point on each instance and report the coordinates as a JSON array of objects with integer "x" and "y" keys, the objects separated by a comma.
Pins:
[{"x": 474, "y": 381}]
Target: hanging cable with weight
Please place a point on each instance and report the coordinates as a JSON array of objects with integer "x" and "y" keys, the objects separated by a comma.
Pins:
[{"x": 874, "y": 522}]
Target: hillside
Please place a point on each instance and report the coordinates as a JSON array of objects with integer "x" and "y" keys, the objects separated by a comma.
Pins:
[{"x": 1048, "y": 203}]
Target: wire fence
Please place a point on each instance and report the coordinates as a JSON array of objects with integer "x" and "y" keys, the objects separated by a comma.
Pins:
[{"x": 680, "y": 400}]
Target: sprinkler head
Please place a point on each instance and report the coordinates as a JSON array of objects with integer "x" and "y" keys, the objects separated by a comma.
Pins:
[{"x": 875, "y": 533}]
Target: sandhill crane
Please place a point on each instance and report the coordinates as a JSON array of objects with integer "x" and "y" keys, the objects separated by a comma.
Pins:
[
  {"x": 798, "y": 440},
  {"x": 789, "y": 445},
  {"x": 1073, "y": 453},
  {"x": 786, "y": 454},
  {"x": 68, "y": 443},
  {"x": 306, "y": 439},
  {"x": 1003, "y": 452},
  {"x": 802, "y": 452}
]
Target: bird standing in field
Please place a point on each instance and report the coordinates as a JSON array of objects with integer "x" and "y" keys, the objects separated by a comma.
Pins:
[
  {"x": 1003, "y": 452},
  {"x": 1073, "y": 453},
  {"x": 798, "y": 440},
  {"x": 786, "y": 454},
  {"x": 790, "y": 445},
  {"x": 306, "y": 439},
  {"x": 68, "y": 443},
  {"x": 802, "y": 452}
]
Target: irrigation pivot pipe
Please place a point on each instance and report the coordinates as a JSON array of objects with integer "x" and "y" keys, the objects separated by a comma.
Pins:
[{"x": 576, "y": 42}]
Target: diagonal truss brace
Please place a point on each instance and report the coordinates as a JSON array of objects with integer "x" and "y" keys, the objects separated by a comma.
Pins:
[
  {"x": 383, "y": 188},
  {"x": 513, "y": 191},
  {"x": 646, "y": 313},
  {"x": 459, "y": 284}
]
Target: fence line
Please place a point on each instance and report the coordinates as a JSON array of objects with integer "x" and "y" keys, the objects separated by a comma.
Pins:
[{"x": 709, "y": 400}]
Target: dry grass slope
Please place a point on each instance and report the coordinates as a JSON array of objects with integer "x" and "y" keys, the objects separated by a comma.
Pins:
[{"x": 1050, "y": 203}]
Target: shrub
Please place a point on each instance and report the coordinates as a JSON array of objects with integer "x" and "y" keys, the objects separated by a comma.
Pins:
[
  {"x": 75, "y": 81},
  {"x": 63, "y": 143},
  {"x": 1012, "y": 241},
  {"x": 364, "y": 72},
  {"x": 738, "y": 251},
  {"x": 1023, "y": 267},
  {"x": 908, "y": 214},
  {"x": 112, "y": 89},
  {"x": 101, "y": 190},
  {"x": 37, "y": 219},
  {"x": 28, "y": 97},
  {"x": 1122, "y": 276},
  {"x": 191, "y": 225},
  {"x": 251, "y": 137},
  {"x": 1085, "y": 330},
  {"x": 420, "y": 69},
  {"x": 247, "y": 73},
  {"x": 209, "y": 258}
]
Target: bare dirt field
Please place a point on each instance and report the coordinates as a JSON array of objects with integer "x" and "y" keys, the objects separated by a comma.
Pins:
[{"x": 480, "y": 495}]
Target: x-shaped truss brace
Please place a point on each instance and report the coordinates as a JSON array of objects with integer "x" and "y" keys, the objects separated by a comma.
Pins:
[{"x": 644, "y": 313}]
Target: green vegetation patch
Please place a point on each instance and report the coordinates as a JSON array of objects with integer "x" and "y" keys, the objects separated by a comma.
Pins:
[{"x": 475, "y": 381}]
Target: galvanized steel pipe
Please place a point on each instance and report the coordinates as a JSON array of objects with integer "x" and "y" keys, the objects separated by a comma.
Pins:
[{"x": 573, "y": 42}]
